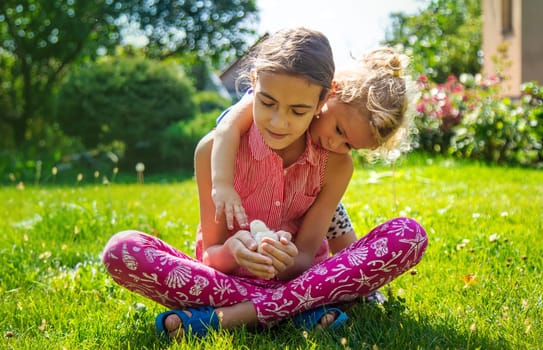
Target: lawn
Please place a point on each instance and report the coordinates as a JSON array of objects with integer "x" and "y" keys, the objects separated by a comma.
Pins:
[{"x": 478, "y": 286}]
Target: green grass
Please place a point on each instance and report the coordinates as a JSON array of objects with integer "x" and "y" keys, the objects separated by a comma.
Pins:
[{"x": 478, "y": 286}]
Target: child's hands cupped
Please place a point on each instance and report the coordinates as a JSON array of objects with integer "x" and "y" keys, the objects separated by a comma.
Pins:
[
  {"x": 244, "y": 249},
  {"x": 282, "y": 251}
]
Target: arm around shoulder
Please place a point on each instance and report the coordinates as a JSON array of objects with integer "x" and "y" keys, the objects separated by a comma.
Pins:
[
  {"x": 223, "y": 159},
  {"x": 215, "y": 253},
  {"x": 228, "y": 132}
]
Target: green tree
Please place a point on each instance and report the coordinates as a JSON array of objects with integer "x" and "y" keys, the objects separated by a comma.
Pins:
[
  {"x": 444, "y": 38},
  {"x": 44, "y": 38},
  {"x": 9, "y": 104},
  {"x": 40, "y": 39},
  {"x": 214, "y": 30},
  {"x": 127, "y": 99}
]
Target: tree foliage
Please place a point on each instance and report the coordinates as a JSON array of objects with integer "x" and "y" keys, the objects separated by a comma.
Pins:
[
  {"x": 179, "y": 140},
  {"x": 40, "y": 39},
  {"x": 444, "y": 38},
  {"x": 213, "y": 30},
  {"x": 126, "y": 99}
]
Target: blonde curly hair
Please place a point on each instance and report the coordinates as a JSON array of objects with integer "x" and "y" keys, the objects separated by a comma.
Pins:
[{"x": 378, "y": 88}]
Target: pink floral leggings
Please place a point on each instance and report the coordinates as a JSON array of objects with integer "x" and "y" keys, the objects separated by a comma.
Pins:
[{"x": 148, "y": 266}]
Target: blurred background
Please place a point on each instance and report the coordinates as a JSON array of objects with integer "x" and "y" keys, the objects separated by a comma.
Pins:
[{"x": 92, "y": 89}]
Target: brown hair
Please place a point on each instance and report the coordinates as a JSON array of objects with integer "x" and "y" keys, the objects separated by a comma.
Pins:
[
  {"x": 299, "y": 52},
  {"x": 378, "y": 88}
]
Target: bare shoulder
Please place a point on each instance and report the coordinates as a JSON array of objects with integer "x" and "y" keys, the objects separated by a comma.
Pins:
[
  {"x": 339, "y": 162},
  {"x": 339, "y": 170},
  {"x": 205, "y": 144}
]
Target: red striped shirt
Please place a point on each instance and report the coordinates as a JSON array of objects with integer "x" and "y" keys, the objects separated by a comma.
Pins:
[{"x": 278, "y": 196}]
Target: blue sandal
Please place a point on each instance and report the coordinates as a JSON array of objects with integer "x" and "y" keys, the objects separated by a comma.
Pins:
[
  {"x": 203, "y": 318},
  {"x": 310, "y": 318}
]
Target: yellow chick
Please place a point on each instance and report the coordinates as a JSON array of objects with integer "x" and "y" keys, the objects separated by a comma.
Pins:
[{"x": 259, "y": 230}]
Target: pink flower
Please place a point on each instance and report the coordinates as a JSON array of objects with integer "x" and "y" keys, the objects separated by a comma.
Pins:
[{"x": 451, "y": 79}]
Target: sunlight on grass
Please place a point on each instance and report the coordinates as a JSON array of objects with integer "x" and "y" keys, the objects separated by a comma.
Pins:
[{"x": 478, "y": 285}]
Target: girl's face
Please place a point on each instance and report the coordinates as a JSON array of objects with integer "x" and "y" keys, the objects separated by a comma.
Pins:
[
  {"x": 341, "y": 128},
  {"x": 283, "y": 108}
]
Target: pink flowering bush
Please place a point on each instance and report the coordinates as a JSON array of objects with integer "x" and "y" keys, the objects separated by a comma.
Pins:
[{"x": 467, "y": 118}]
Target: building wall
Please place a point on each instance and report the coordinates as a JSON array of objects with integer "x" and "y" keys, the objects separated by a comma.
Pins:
[
  {"x": 493, "y": 37},
  {"x": 532, "y": 41},
  {"x": 524, "y": 41}
]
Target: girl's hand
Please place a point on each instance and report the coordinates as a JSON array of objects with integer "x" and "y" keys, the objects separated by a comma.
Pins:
[
  {"x": 244, "y": 249},
  {"x": 282, "y": 252},
  {"x": 227, "y": 199}
]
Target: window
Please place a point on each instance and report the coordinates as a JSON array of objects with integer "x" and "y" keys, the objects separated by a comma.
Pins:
[{"x": 507, "y": 17}]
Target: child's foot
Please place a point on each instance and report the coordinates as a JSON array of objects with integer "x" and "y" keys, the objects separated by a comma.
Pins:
[
  {"x": 327, "y": 319},
  {"x": 174, "y": 326},
  {"x": 175, "y": 323},
  {"x": 320, "y": 317}
]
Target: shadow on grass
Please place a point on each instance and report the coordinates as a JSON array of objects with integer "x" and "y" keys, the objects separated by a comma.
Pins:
[
  {"x": 390, "y": 326},
  {"x": 387, "y": 326}
]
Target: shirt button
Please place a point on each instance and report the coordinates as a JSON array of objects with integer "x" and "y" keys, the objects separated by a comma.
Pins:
[{"x": 277, "y": 203}]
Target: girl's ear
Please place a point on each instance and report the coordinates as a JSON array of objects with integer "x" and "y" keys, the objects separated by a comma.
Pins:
[
  {"x": 332, "y": 92},
  {"x": 320, "y": 105}
]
